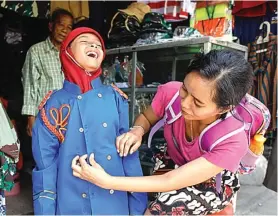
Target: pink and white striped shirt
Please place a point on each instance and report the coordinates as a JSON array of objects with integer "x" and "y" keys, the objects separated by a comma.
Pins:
[{"x": 173, "y": 11}]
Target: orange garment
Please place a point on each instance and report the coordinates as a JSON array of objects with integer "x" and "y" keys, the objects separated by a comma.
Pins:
[
  {"x": 212, "y": 27},
  {"x": 79, "y": 9}
]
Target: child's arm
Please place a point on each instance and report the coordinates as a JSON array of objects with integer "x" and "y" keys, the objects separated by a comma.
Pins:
[
  {"x": 131, "y": 163},
  {"x": 45, "y": 147}
]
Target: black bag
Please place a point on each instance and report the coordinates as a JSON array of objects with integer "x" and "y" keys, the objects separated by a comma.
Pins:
[
  {"x": 155, "y": 22},
  {"x": 124, "y": 28}
]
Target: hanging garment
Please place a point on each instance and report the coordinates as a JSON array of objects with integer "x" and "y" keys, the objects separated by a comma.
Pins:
[
  {"x": 265, "y": 71},
  {"x": 206, "y": 3},
  {"x": 34, "y": 8},
  {"x": 173, "y": 11},
  {"x": 79, "y": 9},
  {"x": 247, "y": 28},
  {"x": 9, "y": 154},
  {"x": 213, "y": 20},
  {"x": 253, "y": 8}
]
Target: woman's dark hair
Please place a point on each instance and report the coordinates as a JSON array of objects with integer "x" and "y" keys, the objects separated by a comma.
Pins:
[
  {"x": 59, "y": 12},
  {"x": 229, "y": 70}
]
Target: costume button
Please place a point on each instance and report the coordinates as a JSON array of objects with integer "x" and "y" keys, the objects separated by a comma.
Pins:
[
  {"x": 104, "y": 124},
  {"x": 81, "y": 130},
  {"x": 99, "y": 95},
  {"x": 84, "y": 195},
  {"x": 111, "y": 191},
  {"x": 79, "y": 97},
  {"x": 109, "y": 157}
]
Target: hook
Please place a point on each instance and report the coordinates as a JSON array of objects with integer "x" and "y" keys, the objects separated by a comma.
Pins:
[{"x": 266, "y": 38}]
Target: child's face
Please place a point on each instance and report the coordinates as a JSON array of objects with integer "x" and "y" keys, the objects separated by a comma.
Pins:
[{"x": 87, "y": 51}]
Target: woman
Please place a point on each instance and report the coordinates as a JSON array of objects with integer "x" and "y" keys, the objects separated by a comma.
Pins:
[{"x": 214, "y": 83}]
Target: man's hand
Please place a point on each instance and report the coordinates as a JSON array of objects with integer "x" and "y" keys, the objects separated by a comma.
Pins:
[{"x": 30, "y": 123}]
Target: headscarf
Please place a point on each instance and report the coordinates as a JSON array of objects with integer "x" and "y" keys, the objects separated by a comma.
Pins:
[{"x": 73, "y": 72}]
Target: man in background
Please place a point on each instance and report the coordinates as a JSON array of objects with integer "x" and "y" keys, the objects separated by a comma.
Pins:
[{"x": 42, "y": 68}]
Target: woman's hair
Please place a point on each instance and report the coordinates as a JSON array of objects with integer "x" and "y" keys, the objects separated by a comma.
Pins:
[{"x": 229, "y": 70}]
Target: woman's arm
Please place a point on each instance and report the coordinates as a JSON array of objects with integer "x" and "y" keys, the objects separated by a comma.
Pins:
[
  {"x": 192, "y": 173},
  {"x": 131, "y": 141}
]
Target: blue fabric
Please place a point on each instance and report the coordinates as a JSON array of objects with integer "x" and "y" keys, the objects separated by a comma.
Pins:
[
  {"x": 247, "y": 28},
  {"x": 97, "y": 117}
]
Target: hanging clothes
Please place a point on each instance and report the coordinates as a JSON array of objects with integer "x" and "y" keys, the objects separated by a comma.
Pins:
[
  {"x": 265, "y": 71},
  {"x": 79, "y": 9},
  {"x": 248, "y": 20},
  {"x": 253, "y": 8},
  {"x": 173, "y": 11},
  {"x": 39, "y": 9},
  {"x": 9, "y": 155},
  {"x": 213, "y": 20}
]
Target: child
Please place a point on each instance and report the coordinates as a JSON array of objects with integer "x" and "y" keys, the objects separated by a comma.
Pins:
[{"x": 83, "y": 117}]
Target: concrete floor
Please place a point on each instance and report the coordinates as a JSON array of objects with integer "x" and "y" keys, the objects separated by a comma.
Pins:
[
  {"x": 251, "y": 200},
  {"x": 256, "y": 200},
  {"x": 22, "y": 204}
]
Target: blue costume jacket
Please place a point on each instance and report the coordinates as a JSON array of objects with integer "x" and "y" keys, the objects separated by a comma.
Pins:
[{"x": 70, "y": 124}]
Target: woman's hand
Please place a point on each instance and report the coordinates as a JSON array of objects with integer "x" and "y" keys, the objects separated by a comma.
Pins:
[
  {"x": 92, "y": 172},
  {"x": 129, "y": 142}
]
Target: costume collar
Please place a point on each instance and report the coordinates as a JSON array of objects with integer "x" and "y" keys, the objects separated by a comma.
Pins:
[{"x": 75, "y": 89}]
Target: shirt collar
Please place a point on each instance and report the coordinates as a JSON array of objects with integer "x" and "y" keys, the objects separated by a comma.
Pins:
[
  {"x": 49, "y": 45},
  {"x": 74, "y": 89}
]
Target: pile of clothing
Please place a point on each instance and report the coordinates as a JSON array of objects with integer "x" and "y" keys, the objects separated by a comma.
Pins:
[
  {"x": 154, "y": 27},
  {"x": 137, "y": 21},
  {"x": 126, "y": 25}
]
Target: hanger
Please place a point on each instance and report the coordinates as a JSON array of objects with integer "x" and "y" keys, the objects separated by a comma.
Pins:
[{"x": 263, "y": 39}]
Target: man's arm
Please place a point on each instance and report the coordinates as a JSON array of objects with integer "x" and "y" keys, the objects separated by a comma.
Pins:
[{"x": 30, "y": 75}]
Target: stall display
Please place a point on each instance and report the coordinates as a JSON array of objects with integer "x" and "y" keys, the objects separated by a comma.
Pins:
[
  {"x": 126, "y": 24},
  {"x": 173, "y": 11},
  {"x": 213, "y": 19}
]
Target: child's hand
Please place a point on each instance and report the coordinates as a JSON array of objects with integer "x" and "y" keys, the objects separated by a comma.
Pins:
[
  {"x": 129, "y": 142},
  {"x": 92, "y": 172}
]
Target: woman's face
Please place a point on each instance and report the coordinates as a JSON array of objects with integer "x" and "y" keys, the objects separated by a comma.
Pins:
[
  {"x": 196, "y": 98},
  {"x": 87, "y": 51}
]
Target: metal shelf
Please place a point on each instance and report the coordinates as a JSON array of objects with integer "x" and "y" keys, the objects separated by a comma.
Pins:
[
  {"x": 140, "y": 90},
  {"x": 177, "y": 43}
]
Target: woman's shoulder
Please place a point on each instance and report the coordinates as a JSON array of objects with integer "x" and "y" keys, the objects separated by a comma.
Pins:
[
  {"x": 168, "y": 90},
  {"x": 163, "y": 96},
  {"x": 172, "y": 86}
]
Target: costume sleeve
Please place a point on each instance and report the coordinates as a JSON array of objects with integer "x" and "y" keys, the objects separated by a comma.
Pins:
[
  {"x": 45, "y": 147},
  {"x": 229, "y": 152},
  {"x": 30, "y": 77},
  {"x": 131, "y": 163}
]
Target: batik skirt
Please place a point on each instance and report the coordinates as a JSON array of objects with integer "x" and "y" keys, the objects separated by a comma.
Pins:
[{"x": 201, "y": 199}]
